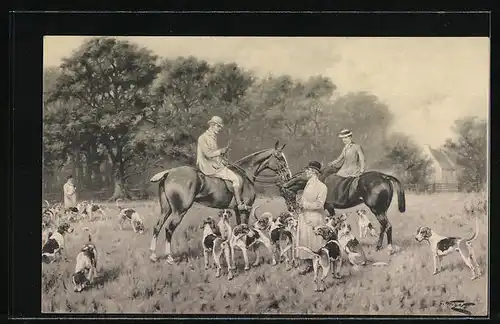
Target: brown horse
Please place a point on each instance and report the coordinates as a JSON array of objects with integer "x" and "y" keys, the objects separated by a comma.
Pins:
[
  {"x": 374, "y": 189},
  {"x": 180, "y": 187}
]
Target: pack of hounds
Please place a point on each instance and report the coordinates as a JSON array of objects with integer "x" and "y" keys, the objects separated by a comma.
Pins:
[
  {"x": 54, "y": 248},
  {"x": 276, "y": 234}
]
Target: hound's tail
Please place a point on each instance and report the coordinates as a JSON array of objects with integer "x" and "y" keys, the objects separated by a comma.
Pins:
[
  {"x": 253, "y": 210},
  {"x": 309, "y": 251},
  {"x": 476, "y": 232},
  {"x": 400, "y": 190},
  {"x": 90, "y": 238}
]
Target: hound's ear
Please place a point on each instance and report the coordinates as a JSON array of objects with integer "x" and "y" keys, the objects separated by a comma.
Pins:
[
  {"x": 221, "y": 213},
  {"x": 276, "y": 145},
  {"x": 202, "y": 225}
]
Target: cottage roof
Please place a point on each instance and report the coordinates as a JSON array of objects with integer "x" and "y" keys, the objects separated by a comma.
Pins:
[{"x": 443, "y": 159}]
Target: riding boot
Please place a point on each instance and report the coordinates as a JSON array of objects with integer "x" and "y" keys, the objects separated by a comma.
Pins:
[{"x": 239, "y": 201}]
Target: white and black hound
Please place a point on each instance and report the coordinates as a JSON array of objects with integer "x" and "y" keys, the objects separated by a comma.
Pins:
[
  {"x": 212, "y": 242},
  {"x": 329, "y": 253},
  {"x": 365, "y": 226},
  {"x": 442, "y": 245},
  {"x": 350, "y": 246},
  {"x": 86, "y": 266},
  {"x": 129, "y": 214},
  {"x": 52, "y": 249},
  {"x": 282, "y": 234},
  {"x": 89, "y": 208},
  {"x": 249, "y": 237}
]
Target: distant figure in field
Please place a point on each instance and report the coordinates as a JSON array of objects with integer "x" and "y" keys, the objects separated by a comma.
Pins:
[{"x": 69, "y": 191}]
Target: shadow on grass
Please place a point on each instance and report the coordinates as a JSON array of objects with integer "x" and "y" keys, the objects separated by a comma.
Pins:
[{"x": 108, "y": 275}]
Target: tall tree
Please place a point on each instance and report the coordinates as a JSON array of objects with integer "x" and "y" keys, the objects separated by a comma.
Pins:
[
  {"x": 470, "y": 148},
  {"x": 189, "y": 91},
  {"x": 110, "y": 80},
  {"x": 407, "y": 159}
]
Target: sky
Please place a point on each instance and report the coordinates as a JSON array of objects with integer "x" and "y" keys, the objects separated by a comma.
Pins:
[{"x": 427, "y": 83}]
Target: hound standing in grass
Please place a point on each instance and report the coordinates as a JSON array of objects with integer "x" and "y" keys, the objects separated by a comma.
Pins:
[
  {"x": 365, "y": 226},
  {"x": 89, "y": 208},
  {"x": 129, "y": 214},
  {"x": 86, "y": 266},
  {"x": 247, "y": 237},
  {"x": 442, "y": 245},
  {"x": 330, "y": 252},
  {"x": 212, "y": 243}
]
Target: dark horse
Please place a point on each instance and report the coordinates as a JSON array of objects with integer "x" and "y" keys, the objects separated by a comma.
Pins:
[
  {"x": 180, "y": 187},
  {"x": 374, "y": 189}
]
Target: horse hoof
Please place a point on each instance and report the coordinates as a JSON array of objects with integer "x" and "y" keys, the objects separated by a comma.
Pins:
[
  {"x": 274, "y": 263},
  {"x": 153, "y": 258},
  {"x": 378, "y": 248},
  {"x": 230, "y": 276},
  {"x": 247, "y": 268}
]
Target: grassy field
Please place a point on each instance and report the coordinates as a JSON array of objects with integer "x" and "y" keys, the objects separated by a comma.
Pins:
[{"x": 129, "y": 283}]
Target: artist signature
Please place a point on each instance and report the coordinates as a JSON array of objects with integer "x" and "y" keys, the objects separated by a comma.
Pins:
[{"x": 458, "y": 306}]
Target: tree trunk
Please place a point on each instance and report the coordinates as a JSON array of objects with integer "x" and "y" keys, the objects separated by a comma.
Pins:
[{"x": 120, "y": 189}]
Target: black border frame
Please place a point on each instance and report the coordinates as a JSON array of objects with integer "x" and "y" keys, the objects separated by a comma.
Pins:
[{"x": 25, "y": 75}]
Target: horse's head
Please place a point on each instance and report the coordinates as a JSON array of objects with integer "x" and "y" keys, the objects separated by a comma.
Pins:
[
  {"x": 277, "y": 163},
  {"x": 290, "y": 188},
  {"x": 271, "y": 159}
]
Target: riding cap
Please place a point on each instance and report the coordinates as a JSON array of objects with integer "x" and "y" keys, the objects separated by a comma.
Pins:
[
  {"x": 345, "y": 133},
  {"x": 314, "y": 165},
  {"x": 216, "y": 120}
]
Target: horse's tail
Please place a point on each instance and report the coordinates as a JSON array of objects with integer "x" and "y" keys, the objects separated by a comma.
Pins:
[
  {"x": 400, "y": 190},
  {"x": 159, "y": 176}
]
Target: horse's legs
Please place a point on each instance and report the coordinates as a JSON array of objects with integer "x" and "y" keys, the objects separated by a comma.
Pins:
[
  {"x": 238, "y": 216},
  {"x": 173, "y": 221},
  {"x": 156, "y": 231},
  {"x": 385, "y": 228},
  {"x": 382, "y": 219}
]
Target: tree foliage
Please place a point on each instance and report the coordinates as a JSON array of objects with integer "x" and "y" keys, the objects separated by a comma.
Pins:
[
  {"x": 407, "y": 159},
  {"x": 112, "y": 100},
  {"x": 470, "y": 148}
]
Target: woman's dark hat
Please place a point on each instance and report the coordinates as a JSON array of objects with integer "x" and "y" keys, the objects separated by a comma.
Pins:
[{"x": 314, "y": 165}]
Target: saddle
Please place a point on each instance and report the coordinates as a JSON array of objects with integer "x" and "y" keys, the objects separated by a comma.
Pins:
[
  {"x": 345, "y": 187},
  {"x": 237, "y": 170}
]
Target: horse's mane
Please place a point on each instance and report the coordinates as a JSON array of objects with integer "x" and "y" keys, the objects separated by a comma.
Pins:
[
  {"x": 239, "y": 170},
  {"x": 249, "y": 156}
]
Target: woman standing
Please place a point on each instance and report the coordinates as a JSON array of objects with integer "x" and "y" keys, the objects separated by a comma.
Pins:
[{"x": 313, "y": 214}]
